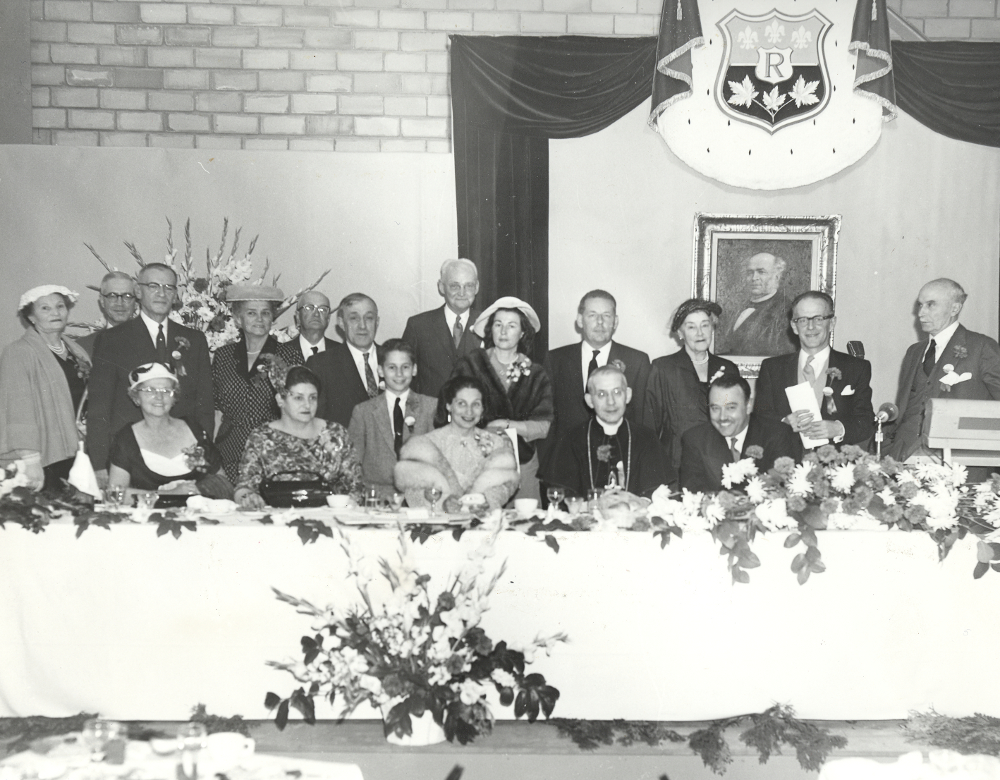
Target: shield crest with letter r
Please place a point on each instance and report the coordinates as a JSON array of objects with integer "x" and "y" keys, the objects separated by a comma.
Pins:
[{"x": 773, "y": 71}]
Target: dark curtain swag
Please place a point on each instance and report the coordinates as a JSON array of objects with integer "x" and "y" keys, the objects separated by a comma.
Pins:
[{"x": 511, "y": 94}]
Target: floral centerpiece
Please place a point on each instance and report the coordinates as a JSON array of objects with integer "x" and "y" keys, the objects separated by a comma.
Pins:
[
  {"x": 202, "y": 303},
  {"x": 421, "y": 650}
]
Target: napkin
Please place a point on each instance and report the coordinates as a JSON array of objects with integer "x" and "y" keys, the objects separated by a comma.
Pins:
[{"x": 82, "y": 476}]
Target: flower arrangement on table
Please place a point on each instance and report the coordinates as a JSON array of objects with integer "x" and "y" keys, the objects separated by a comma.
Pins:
[
  {"x": 202, "y": 298},
  {"x": 419, "y": 650}
]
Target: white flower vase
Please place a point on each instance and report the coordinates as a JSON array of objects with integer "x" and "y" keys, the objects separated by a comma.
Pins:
[{"x": 426, "y": 730}]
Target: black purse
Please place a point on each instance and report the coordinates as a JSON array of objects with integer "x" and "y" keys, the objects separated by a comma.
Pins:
[{"x": 294, "y": 492}]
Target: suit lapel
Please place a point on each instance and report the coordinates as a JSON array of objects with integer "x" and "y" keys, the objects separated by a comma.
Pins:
[
  {"x": 947, "y": 355},
  {"x": 383, "y": 422},
  {"x": 351, "y": 369}
]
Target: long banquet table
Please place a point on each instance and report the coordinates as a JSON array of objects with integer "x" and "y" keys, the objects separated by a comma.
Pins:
[{"x": 136, "y": 626}]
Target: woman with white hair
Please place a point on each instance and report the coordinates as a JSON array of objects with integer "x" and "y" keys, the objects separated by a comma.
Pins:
[{"x": 43, "y": 380}]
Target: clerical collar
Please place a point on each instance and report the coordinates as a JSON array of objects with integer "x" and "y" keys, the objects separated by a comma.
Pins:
[{"x": 609, "y": 430}]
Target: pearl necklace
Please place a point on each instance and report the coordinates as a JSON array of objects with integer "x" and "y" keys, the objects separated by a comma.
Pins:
[
  {"x": 61, "y": 350},
  {"x": 700, "y": 362}
]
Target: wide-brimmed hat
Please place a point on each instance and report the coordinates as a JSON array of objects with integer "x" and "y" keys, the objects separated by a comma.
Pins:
[
  {"x": 148, "y": 371},
  {"x": 689, "y": 307},
  {"x": 35, "y": 293},
  {"x": 253, "y": 292},
  {"x": 507, "y": 302}
]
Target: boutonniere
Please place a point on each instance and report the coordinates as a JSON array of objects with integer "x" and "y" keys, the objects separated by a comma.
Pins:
[
  {"x": 833, "y": 374},
  {"x": 485, "y": 443},
  {"x": 619, "y": 364},
  {"x": 754, "y": 451},
  {"x": 960, "y": 352},
  {"x": 410, "y": 421},
  {"x": 194, "y": 457},
  {"x": 82, "y": 367},
  {"x": 951, "y": 378},
  {"x": 831, "y": 405},
  {"x": 182, "y": 344},
  {"x": 720, "y": 373},
  {"x": 274, "y": 368},
  {"x": 604, "y": 453},
  {"x": 520, "y": 367}
]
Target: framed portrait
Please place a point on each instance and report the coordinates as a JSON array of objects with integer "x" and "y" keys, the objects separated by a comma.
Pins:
[{"x": 753, "y": 267}]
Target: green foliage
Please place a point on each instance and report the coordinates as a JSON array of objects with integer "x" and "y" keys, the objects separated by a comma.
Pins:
[
  {"x": 973, "y": 734},
  {"x": 216, "y": 723},
  {"x": 590, "y": 734},
  {"x": 17, "y": 734}
]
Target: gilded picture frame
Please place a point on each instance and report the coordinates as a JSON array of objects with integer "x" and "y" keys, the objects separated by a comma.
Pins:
[{"x": 753, "y": 267}]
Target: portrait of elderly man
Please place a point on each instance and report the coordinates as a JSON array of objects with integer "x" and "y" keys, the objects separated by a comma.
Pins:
[
  {"x": 953, "y": 362},
  {"x": 757, "y": 324},
  {"x": 608, "y": 450},
  {"x": 440, "y": 337},
  {"x": 348, "y": 371},
  {"x": 841, "y": 382},
  {"x": 729, "y": 435},
  {"x": 117, "y": 302},
  {"x": 312, "y": 318}
]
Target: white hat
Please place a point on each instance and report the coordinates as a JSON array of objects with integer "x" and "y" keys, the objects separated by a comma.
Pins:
[
  {"x": 46, "y": 289},
  {"x": 507, "y": 302},
  {"x": 148, "y": 371}
]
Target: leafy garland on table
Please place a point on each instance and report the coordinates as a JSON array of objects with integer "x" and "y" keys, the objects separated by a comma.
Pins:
[
  {"x": 418, "y": 650},
  {"x": 202, "y": 299},
  {"x": 969, "y": 735}
]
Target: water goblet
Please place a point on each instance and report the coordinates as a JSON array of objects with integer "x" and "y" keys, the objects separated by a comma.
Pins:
[
  {"x": 555, "y": 496},
  {"x": 592, "y": 496},
  {"x": 432, "y": 494},
  {"x": 98, "y": 732},
  {"x": 191, "y": 740},
  {"x": 146, "y": 500},
  {"x": 114, "y": 495}
]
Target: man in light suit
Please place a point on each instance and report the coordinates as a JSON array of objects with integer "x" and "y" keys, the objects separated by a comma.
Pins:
[
  {"x": 841, "y": 382},
  {"x": 116, "y": 300},
  {"x": 312, "y": 317},
  {"x": 931, "y": 367},
  {"x": 729, "y": 435},
  {"x": 570, "y": 366},
  {"x": 149, "y": 337},
  {"x": 348, "y": 372},
  {"x": 381, "y": 425},
  {"x": 440, "y": 337}
]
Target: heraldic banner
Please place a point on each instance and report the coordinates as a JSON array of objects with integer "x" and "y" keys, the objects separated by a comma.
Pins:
[{"x": 770, "y": 94}]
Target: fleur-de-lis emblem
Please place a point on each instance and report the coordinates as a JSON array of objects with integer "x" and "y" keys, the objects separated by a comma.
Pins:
[
  {"x": 801, "y": 38},
  {"x": 774, "y": 31},
  {"x": 747, "y": 39}
]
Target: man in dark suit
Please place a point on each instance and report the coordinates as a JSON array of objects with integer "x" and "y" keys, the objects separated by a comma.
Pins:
[
  {"x": 570, "y": 366},
  {"x": 441, "y": 336},
  {"x": 116, "y": 300},
  {"x": 842, "y": 383},
  {"x": 312, "y": 317},
  {"x": 952, "y": 363},
  {"x": 149, "y": 337},
  {"x": 758, "y": 326},
  {"x": 348, "y": 372},
  {"x": 728, "y": 437}
]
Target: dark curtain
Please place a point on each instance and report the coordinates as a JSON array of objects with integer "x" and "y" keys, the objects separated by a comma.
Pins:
[
  {"x": 951, "y": 87},
  {"x": 509, "y": 96}
]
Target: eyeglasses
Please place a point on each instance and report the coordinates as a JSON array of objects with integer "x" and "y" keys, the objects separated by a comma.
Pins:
[
  {"x": 455, "y": 287},
  {"x": 309, "y": 308},
  {"x": 169, "y": 392},
  {"x": 154, "y": 287},
  {"x": 803, "y": 321},
  {"x": 126, "y": 297}
]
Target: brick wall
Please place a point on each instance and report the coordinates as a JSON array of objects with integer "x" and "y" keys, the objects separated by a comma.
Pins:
[{"x": 343, "y": 75}]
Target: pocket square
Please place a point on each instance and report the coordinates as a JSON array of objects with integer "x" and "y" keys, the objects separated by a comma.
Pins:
[{"x": 848, "y": 390}]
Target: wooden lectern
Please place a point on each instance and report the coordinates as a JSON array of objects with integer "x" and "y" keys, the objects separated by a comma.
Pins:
[{"x": 968, "y": 432}]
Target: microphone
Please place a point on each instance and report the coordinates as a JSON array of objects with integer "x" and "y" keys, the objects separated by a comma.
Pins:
[
  {"x": 856, "y": 349},
  {"x": 887, "y": 412}
]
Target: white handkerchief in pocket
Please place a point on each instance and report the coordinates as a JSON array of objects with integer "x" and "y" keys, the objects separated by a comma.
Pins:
[{"x": 847, "y": 390}]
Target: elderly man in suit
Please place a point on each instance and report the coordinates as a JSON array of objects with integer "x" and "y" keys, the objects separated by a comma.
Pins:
[
  {"x": 116, "y": 300},
  {"x": 147, "y": 338},
  {"x": 571, "y": 365},
  {"x": 758, "y": 326},
  {"x": 841, "y": 382},
  {"x": 729, "y": 435},
  {"x": 935, "y": 368},
  {"x": 312, "y": 317},
  {"x": 381, "y": 425},
  {"x": 348, "y": 371},
  {"x": 441, "y": 336}
]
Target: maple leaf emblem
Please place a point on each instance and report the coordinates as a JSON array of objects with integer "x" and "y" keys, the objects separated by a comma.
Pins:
[
  {"x": 747, "y": 39},
  {"x": 801, "y": 38},
  {"x": 773, "y": 101},
  {"x": 804, "y": 94},
  {"x": 743, "y": 93},
  {"x": 774, "y": 31}
]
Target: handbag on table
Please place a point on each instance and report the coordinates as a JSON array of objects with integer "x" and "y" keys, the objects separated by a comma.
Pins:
[{"x": 294, "y": 492}]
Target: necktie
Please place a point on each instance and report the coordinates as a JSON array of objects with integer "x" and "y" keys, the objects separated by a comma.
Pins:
[
  {"x": 161, "y": 345},
  {"x": 315, "y": 350},
  {"x": 929, "y": 359},
  {"x": 810, "y": 374},
  {"x": 397, "y": 426},
  {"x": 592, "y": 367},
  {"x": 370, "y": 377},
  {"x": 457, "y": 332},
  {"x": 732, "y": 449}
]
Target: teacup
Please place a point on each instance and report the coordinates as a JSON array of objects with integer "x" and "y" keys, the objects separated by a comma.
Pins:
[
  {"x": 338, "y": 501},
  {"x": 525, "y": 507},
  {"x": 228, "y": 749}
]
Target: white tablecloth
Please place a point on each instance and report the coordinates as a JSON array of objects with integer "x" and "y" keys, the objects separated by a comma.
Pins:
[{"x": 133, "y": 626}]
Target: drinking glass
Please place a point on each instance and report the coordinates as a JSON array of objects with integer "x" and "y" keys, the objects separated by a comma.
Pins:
[
  {"x": 432, "y": 494},
  {"x": 576, "y": 505},
  {"x": 191, "y": 740},
  {"x": 397, "y": 500},
  {"x": 115, "y": 496},
  {"x": 555, "y": 496},
  {"x": 371, "y": 499},
  {"x": 97, "y": 733},
  {"x": 592, "y": 496},
  {"x": 146, "y": 500}
]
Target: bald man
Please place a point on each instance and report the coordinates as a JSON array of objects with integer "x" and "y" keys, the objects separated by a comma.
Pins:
[
  {"x": 312, "y": 317},
  {"x": 949, "y": 349},
  {"x": 758, "y": 325}
]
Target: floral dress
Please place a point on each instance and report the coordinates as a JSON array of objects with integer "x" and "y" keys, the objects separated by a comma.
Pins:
[{"x": 269, "y": 452}]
